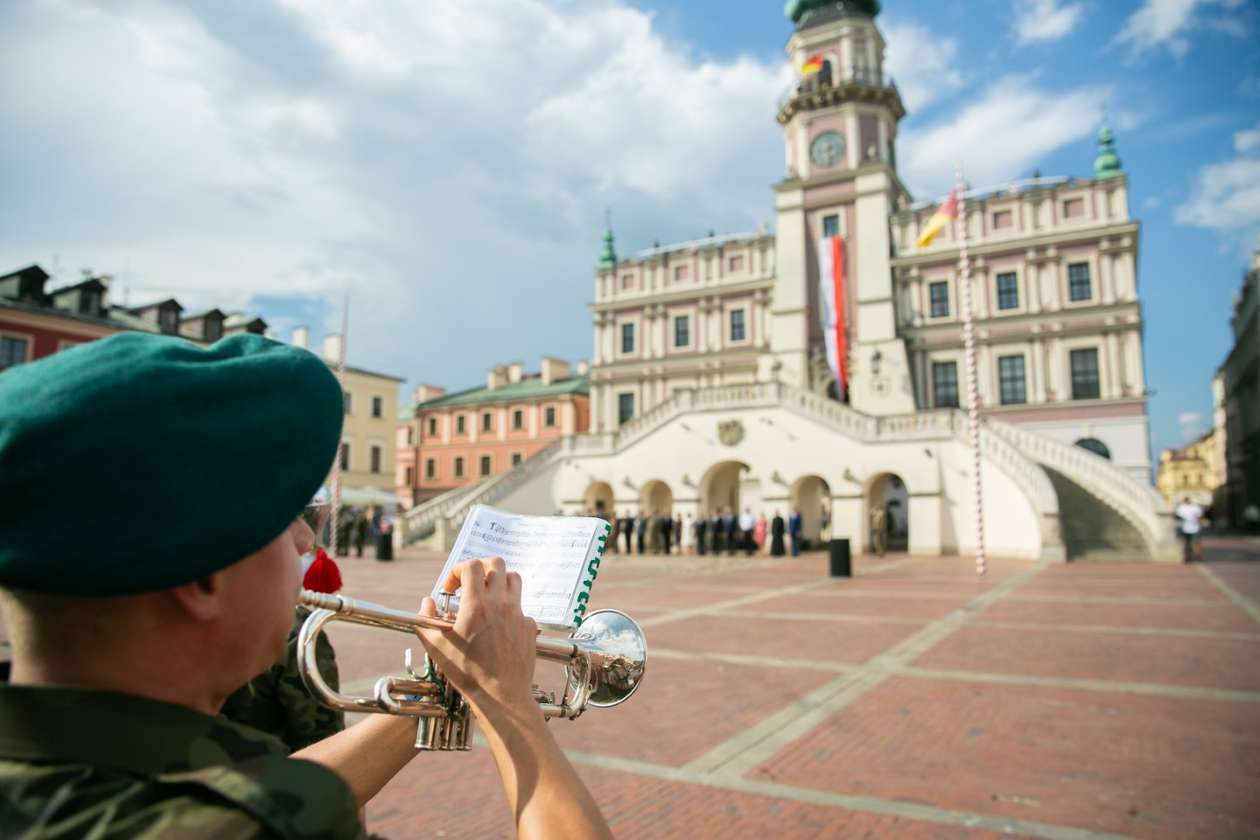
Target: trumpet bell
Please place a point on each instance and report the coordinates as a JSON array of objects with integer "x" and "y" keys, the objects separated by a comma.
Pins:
[{"x": 617, "y": 650}]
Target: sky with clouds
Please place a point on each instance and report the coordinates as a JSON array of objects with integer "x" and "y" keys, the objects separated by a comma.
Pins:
[{"x": 448, "y": 165}]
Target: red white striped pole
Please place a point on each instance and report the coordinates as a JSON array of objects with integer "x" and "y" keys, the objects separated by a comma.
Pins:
[{"x": 969, "y": 349}]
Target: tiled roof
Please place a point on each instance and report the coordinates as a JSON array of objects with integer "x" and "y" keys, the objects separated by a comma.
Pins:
[{"x": 526, "y": 389}]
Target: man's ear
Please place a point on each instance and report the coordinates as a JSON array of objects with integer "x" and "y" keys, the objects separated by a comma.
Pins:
[{"x": 202, "y": 599}]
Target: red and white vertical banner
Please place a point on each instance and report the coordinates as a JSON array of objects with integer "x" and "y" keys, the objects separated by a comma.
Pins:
[{"x": 831, "y": 297}]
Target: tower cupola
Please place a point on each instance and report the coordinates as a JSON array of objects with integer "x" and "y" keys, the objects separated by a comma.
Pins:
[{"x": 1107, "y": 164}]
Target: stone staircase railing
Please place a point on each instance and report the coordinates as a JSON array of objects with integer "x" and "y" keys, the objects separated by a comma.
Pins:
[
  {"x": 1138, "y": 503},
  {"x": 419, "y": 522}
]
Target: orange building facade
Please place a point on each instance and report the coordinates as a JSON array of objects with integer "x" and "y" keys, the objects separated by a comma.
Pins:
[{"x": 458, "y": 439}]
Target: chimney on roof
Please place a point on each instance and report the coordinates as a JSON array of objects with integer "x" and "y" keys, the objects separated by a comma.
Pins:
[
  {"x": 583, "y": 367},
  {"x": 553, "y": 369},
  {"x": 424, "y": 393},
  {"x": 516, "y": 371},
  {"x": 302, "y": 337},
  {"x": 333, "y": 347},
  {"x": 496, "y": 377}
]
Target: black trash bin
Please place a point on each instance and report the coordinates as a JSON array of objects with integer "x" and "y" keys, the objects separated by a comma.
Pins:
[
  {"x": 384, "y": 546},
  {"x": 841, "y": 565}
]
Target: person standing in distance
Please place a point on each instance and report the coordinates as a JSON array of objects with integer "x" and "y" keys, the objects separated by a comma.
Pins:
[
  {"x": 128, "y": 638},
  {"x": 1190, "y": 523}
]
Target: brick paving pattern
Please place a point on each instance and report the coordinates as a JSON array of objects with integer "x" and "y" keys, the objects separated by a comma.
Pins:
[{"x": 913, "y": 700}]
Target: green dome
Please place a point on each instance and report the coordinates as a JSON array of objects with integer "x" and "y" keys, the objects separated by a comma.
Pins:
[
  {"x": 608, "y": 258},
  {"x": 1107, "y": 164},
  {"x": 801, "y": 10}
]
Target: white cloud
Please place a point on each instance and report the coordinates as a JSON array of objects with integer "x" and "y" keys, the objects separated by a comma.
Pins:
[
  {"x": 1006, "y": 132},
  {"x": 1045, "y": 20},
  {"x": 924, "y": 65},
  {"x": 1192, "y": 425},
  {"x": 1167, "y": 23},
  {"x": 1247, "y": 140},
  {"x": 1226, "y": 195},
  {"x": 445, "y": 162}
]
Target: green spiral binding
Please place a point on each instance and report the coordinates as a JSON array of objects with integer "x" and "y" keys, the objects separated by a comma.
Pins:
[{"x": 592, "y": 569}]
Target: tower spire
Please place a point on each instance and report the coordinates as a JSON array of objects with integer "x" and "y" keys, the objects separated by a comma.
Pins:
[
  {"x": 1107, "y": 164},
  {"x": 608, "y": 257}
]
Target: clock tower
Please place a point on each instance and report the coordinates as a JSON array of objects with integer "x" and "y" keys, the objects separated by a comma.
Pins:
[{"x": 839, "y": 122}]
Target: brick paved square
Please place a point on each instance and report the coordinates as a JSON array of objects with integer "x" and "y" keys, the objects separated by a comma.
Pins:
[
  {"x": 1164, "y": 660},
  {"x": 784, "y": 637},
  {"x": 1149, "y": 766},
  {"x": 1220, "y": 617}
]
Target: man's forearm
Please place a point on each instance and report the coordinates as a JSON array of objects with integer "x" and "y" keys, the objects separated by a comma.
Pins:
[
  {"x": 547, "y": 797},
  {"x": 367, "y": 755}
]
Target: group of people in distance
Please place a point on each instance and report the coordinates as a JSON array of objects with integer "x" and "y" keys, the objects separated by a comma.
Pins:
[{"x": 717, "y": 533}]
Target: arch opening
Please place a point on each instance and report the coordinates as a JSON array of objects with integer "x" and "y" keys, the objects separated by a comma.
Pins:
[
  {"x": 811, "y": 497},
  {"x": 1096, "y": 446},
  {"x": 719, "y": 488},
  {"x": 598, "y": 499},
  {"x": 887, "y": 514}
]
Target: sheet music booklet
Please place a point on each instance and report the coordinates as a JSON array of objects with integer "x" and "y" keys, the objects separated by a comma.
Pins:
[{"x": 557, "y": 558}]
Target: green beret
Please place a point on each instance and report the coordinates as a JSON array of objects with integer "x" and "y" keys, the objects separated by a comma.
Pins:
[{"x": 140, "y": 462}]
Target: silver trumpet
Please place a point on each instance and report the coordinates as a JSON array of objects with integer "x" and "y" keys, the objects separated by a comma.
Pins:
[{"x": 604, "y": 663}]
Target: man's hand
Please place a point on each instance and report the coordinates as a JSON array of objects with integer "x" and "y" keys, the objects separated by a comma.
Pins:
[{"x": 489, "y": 655}]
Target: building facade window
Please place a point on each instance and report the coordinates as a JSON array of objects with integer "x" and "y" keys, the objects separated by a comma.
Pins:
[
  {"x": 378, "y": 406},
  {"x": 485, "y": 465},
  {"x": 430, "y": 468},
  {"x": 168, "y": 321},
  {"x": 374, "y": 454},
  {"x": 1011, "y": 384},
  {"x": 627, "y": 281},
  {"x": 347, "y": 401},
  {"x": 516, "y": 459},
  {"x": 1078, "y": 282},
  {"x": 945, "y": 384},
  {"x": 625, "y": 407},
  {"x": 459, "y": 466},
  {"x": 214, "y": 329},
  {"x": 90, "y": 302},
  {"x": 411, "y": 435},
  {"x": 344, "y": 455},
  {"x": 1007, "y": 291},
  {"x": 432, "y": 427},
  {"x": 411, "y": 477},
  {"x": 680, "y": 273},
  {"x": 627, "y": 338},
  {"x": 938, "y": 299},
  {"x": 735, "y": 263},
  {"x": 1074, "y": 208},
  {"x": 682, "y": 330},
  {"x": 1003, "y": 219},
  {"x": 549, "y": 416},
  {"x": 518, "y": 419},
  {"x": 831, "y": 225},
  {"x": 487, "y": 421},
  {"x": 1085, "y": 383},
  {"x": 461, "y": 425},
  {"x": 738, "y": 332},
  {"x": 13, "y": 351}
]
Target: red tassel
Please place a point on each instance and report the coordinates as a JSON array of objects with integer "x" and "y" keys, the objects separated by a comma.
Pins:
[{"x": 323, "y": 575}]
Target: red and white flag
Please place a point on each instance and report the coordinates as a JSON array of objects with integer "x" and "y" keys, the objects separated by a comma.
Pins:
[{"x": 831, "y": 298}]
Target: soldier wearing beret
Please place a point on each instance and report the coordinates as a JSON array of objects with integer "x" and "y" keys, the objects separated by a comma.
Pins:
[{"x": 127, "y": 638}]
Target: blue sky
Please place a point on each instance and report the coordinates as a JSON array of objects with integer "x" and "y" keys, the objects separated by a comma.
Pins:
[{"x": 448, "y": 164}]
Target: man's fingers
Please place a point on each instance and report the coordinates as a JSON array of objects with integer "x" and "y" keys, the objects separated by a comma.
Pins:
[
  {"x": 496, "y": 570},
  {"x": 462, "y": 576},
  {"x": 428, "y": 609},
  {"x": 514, "y": 587}
]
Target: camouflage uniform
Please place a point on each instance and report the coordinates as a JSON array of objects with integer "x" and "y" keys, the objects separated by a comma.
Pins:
[
  {"x": 277, "y": 702},
  {"x": 83, "y": 763}
]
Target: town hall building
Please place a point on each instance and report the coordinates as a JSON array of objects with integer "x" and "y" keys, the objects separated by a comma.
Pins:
[{"x": 709, "y": 382}]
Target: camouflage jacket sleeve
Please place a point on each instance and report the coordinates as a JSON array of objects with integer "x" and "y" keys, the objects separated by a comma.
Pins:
[{"x": 306, "y": 720}]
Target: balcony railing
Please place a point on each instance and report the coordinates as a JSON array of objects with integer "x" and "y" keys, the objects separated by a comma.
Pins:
[{"x": 852, "y": 75}]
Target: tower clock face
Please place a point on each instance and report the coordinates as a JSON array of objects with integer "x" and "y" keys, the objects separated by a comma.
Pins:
[{"x": 827, "y": 149}]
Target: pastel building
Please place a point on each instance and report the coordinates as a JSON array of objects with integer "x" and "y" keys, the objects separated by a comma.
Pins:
[
  {"x": 1236, "y": 397},
  {"x": 709, "y": 382},
  {"x": 455, "y": 440}
]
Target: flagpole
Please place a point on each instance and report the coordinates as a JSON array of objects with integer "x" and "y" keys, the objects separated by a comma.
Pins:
[
  {"x": 969, "y": 349},
  {"x": 341, "y": 381}
]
